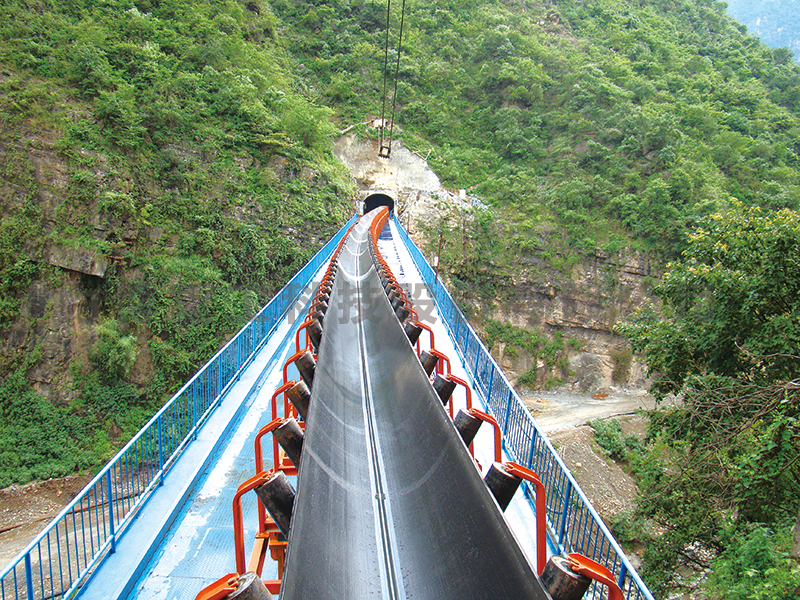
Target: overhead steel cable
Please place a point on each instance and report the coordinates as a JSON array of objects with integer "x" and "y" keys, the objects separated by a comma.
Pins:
[
  {"x": 397, "y": 72},
  {"x": 385, "y": 148},
  {"x": 385, "y": 76}
]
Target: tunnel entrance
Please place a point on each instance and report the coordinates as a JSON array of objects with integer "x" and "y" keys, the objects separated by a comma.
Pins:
[{"x": 373, "y": 201}]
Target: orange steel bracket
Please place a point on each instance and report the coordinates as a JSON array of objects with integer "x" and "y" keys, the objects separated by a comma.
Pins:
[
  {"x": 278, "y": 463},
  {"x": 463, "y": 383},
  {"x": 541, "y": 509},
  {"x": 442, "y": 357},
  {"x": 413, "y": 313},
  {"x": 221, "y": 588},
  {"x": 289, "y": 361},
  {"x": 271, "y": 426},
  {"x": 429, "y": 330},
  {"x": 498, "y": 443},
  {"x": 303, "y": 325},
  {"x": 287, "y": 411},
  {"x": 277, "y": 550},
  {"x": 594, "y": 570},
  {"x": 238, "y": 529}
]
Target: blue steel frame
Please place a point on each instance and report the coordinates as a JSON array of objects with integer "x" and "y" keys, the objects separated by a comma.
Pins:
[
  {"x": 573, "y": 524},
  {"x": 55, "y": 563}
]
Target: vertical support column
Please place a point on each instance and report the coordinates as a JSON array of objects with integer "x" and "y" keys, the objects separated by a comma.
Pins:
[
  {"x": 532, "y": 449},
  {"x": 194, "y": 407},
  {"x": 218, "y": 363},
  {"x": 110, "y": 491},
  {"x": 160, "y": 425},
  {"x": 565, "y": 511},
  {"x": 623, "y": 571},
  {"x": 507, "y": 412},
  {"x": 28, "y": 576},
  {"x": 488, "y": 394},
  {"x": 529, "y": 460}
]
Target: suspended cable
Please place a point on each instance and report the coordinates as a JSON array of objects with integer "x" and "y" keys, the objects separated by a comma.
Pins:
[
  {"x": 384, "y": 151},
  {"x": 397, "y": 72},
  {"x": 385, "y": 147}
]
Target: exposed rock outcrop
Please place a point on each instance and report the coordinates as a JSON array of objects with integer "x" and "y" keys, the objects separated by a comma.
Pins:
[
  {"x": 584, "y": 305},
  {"x": 405, "y": 176}
]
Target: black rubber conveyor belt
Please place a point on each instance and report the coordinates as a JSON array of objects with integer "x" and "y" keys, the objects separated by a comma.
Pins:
[{"x": 389, "y": 503}]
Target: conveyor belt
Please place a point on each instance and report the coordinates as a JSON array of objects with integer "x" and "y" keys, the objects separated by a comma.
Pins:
[{"x": 389, "y": 503}]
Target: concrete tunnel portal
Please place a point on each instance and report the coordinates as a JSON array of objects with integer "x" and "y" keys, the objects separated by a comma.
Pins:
[{"x": 373, "y": 201}]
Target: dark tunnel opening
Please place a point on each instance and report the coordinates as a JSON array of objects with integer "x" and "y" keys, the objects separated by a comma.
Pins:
[{"x": 373, "y": 201}]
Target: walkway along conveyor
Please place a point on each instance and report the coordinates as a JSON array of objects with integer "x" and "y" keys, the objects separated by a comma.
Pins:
[{"x": 389, "y": 501}]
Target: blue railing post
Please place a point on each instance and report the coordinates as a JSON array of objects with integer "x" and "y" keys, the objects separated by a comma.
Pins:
[
  {"x": 194, "y": 408},
  {"x": 220, "y": 378},
  {"x": 623, "y": 571},
  {"x": 112, "y": 534},
  {"x": 507, "y": 413},
  {"x": 160, "y": 425},
  {"x": 28, "y": 576},
  {"x": 563, "y": 527},
  {"x": 532, "y": 449},
  {"x": 489, "y": 387}
]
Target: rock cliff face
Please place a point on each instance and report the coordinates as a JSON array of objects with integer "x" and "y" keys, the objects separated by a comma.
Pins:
[
  {"x": 59, "y": 309},
  {"x": 583, "y": 304}
]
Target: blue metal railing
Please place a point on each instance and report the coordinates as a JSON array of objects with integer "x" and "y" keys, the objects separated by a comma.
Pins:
[
  {"x": 572, "y": 522},
  {"x": 59, "y": 558}
]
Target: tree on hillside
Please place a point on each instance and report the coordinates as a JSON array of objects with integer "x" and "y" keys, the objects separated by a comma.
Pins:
[{"x": 725, "y": 462}]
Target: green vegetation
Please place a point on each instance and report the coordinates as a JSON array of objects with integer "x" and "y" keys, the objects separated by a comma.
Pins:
[
  {"x": 723, "y": 468},
  {"x": 169, "y": 165},
  {"x": 581, "y": 123},
  {"x": 552, "y": 350},
  {"x": 755, "y": 566},
  {"x": 176, "y": 147},
  {"x": 608, "y": 435}
]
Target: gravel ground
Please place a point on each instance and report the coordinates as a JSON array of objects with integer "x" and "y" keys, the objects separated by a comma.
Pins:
[{"x": 26, "y": 509}]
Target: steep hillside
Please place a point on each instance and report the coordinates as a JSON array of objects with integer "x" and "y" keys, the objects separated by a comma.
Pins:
[
  {"x": 167, "y": 165},
  {"x": 597, "y": 132},
  {"x": 163, "y": 173}
]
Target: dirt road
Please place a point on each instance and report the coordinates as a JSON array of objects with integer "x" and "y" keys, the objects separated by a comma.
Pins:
[
  {"x": 557, "y": 411},
  {"x": 563, "y": 417}
]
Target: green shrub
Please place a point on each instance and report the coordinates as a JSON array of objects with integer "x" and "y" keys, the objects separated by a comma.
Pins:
[
  {"x": 755, "y": 566},
  {"x": 608, "y": 434},
  {"x": 113, "y": 354},
  {"x": 629, "y": 527},
  {"x": 622, "y": 364},
  {"x": 38, "y": 440}
]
